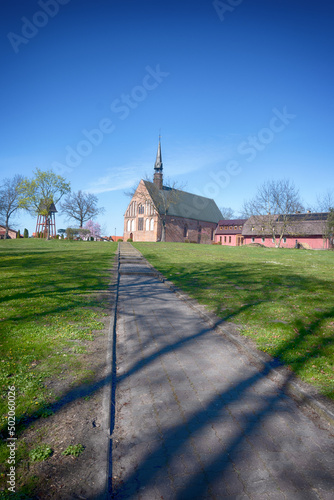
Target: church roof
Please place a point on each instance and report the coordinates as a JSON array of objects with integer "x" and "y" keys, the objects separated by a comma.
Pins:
[{"x": 179, "y": 203}]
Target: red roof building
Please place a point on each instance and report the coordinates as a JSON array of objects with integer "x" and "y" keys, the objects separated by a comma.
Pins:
[{"x": 229, "y": 232}]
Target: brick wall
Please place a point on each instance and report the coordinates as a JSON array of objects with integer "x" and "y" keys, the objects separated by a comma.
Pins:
[{"x": 197, "y": 231}]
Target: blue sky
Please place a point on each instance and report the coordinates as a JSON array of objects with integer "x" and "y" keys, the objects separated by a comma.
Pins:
[{"x": 242, "y": 92}]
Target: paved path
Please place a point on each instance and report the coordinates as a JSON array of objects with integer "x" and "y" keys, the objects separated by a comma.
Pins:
[{"x": 194, "y": 418}]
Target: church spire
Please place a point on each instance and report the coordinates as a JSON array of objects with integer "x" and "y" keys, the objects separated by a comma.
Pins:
[
  {"x": 158, "y": 161},
  {"x": 157, "y": 178}
]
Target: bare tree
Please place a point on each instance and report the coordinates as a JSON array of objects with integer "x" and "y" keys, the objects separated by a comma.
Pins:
[
  {"x": 9, "y": 199},
  {"x": 272, "y": 207},
  {"x": 328, "y": 232},
  {"x": 81, "y": 207},
  {"x": 227, "y": 213},
  {"x": 325, "y": 201}
]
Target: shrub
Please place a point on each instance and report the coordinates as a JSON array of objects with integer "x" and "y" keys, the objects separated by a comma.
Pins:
[
  {"x": 41, "y": 453},
  {"x": 74, "y": 450},
  {"x": 129, "y": 239}
]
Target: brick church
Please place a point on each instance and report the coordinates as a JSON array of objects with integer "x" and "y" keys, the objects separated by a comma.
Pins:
[{"x": 161, "y": 213}]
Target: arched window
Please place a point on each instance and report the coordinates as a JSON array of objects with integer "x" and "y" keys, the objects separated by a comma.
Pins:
[
  {"x": 147, "y": 224},
  {"x": 152, "y": 224},
  {"x": 185, "y": 231},
  {"x": 128, "y": 226},
  {"x": 133, "y": 225}
]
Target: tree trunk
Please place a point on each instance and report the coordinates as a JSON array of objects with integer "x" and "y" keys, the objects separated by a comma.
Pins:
[
  {"x": 7, "y": 227},
  {"x": 48, "y": 228},
  {"x": 163, "y": 231}
]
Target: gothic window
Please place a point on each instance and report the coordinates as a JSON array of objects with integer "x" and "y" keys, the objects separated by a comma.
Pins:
[
  {"x": 152, "y": 224},
  {"x": 141, "y": 209},
  {"x": 128, "y": 226},
  {"x": 147, "y": 224},
  {"x": 133, "y": 225},
  {"x": 140, "y": 223}
]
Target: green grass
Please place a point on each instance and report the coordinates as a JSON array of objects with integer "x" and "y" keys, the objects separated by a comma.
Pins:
[
  {"x": 282, "y": 299},
  {"x": 49, "y": 304}
]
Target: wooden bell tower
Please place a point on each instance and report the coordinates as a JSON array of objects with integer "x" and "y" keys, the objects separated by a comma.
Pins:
[{"x": 46, "y": 223}]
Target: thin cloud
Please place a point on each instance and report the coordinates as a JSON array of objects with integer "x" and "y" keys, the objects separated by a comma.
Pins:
[{"x": 181, "y": 161}]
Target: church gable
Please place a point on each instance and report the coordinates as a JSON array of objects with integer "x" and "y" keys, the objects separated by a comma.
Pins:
[{"x": 140, "y": 219}]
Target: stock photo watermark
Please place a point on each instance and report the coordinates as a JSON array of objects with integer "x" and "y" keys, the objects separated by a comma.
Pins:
[
  {"x": 30, "y": 27},
  {"x": 250, "y": 148},
  {"x": 120, "y": 107},
  {"x": 11, "y": 440},
  {"x": 227, "y": 6}
]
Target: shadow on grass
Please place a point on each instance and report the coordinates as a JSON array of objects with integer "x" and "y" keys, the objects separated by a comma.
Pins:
[{"x": 219, "y": 461}]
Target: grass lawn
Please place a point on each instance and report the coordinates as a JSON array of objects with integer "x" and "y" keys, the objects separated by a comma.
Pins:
[
  {"x": 49, "y": 306},
  {"x": 282, "y": 299}
]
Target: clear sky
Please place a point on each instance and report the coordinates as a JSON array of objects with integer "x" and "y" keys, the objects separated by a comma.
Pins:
[{"x": 242, "y": 92}]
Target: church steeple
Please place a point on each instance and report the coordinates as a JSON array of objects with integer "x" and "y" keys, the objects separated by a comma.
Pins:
[{"x": 157, "y": 178}]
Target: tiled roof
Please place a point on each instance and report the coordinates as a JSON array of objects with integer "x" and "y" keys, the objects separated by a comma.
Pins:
[
  {"x": 3, "y": 229},
  {"x": 183, "y": 204},
  {"x": 309, "y": 224}
]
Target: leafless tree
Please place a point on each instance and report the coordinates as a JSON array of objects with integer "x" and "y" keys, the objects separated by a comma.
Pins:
[
  {"x": 330, "y": 226},
  {"x": 9, "y": 199},
  {"x": 325, "y": 201},
  {"x": 227, "y": 213},
  {"x": 270, "y": 209},
  {"x": 81, "y": 207}
]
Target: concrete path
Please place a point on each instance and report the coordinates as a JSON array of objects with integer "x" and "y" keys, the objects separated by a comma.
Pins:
[{"x": 195, "y": 419}]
